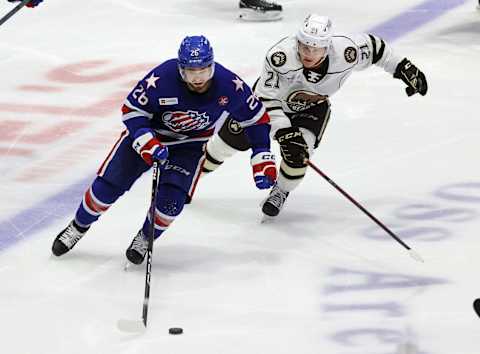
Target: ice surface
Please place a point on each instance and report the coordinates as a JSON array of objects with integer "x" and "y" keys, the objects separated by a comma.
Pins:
[{"x": 322, "y": 278}]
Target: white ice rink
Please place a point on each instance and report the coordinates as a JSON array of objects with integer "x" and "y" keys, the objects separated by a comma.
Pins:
[{"x": 323, "y": 278}]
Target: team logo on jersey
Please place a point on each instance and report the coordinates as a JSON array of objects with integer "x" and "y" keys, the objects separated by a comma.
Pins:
[
  {"x": 301, "y": 100},
  {"x": 312, "y": 76},
  {"x": 234, "y": 127},
  {"x": 180, "y": 121},
  {"x": 350, "y": 54},
  {"x": 223, "y": 100},
  {"x": 278, "y": 59}
]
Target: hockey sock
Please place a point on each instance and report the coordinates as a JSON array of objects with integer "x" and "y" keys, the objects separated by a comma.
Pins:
[
  {"x": 96, "y": 201},
  {"x": 170, "y": 202}
]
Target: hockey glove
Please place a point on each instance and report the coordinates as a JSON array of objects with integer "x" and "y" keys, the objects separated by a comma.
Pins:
[
  {"x": 264, "y": 169},
  {"x": 149, "y": 147},
  {"x": 293, "y": 147},
  {"x": 412, "y": 76},
  {"x": 32, "y": 3}
]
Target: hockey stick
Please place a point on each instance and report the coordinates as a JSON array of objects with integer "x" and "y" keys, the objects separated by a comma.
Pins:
[
  {"x": 13, "y": 11},
  {"x": 138, "y": 326},
  {"x": 411, "y": 252},
  {"x": 476, "y": 306}
]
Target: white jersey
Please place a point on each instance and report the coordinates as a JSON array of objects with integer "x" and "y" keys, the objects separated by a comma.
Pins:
[{"x": 286, "y": 86}]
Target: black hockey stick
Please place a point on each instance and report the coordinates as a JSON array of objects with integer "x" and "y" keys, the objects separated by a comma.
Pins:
[
  {"x": 134, "y": 326},
  {"x": 412, "y": 253},
  {"x": 476, "y": 306},
  {"x": 148, "y": 270},
  {"x": 13, "y": 11}
]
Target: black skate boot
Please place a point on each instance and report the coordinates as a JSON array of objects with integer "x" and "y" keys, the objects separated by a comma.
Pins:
[
  {"x": 68, "y": 238},
  {"x": 274, "y": 203},
  {"x": 259, "y": 10},
  {"x": 138, "y": 248}
]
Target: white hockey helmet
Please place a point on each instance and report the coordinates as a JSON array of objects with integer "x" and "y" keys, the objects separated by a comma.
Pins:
[{"x": 316, "y": 31}]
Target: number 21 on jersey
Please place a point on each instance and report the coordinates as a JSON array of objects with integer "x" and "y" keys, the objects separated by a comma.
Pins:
[{"x": 272, "y": 80}]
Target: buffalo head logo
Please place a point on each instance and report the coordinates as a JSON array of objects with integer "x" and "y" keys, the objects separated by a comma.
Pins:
[{"x": 180, "y": 121}]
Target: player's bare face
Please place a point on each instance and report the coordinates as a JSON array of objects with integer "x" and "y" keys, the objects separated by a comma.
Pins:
[
  {"x": 311, "y": 57},
  {"x": 198, "y": 79}
]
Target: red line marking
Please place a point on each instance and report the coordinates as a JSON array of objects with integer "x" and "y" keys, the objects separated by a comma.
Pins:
[
  {"x": 10, "y": 129},
  {"x": 73, "y": 73},
  {"x": 100, "y": 108},
  {"x": 53, "y": 133},
  {"x": 15, "y": 152},
  {"x": 41, "y": 88}
]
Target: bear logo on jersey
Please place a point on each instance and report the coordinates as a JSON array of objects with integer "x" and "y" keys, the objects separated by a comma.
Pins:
[
  {"x": 301, "y": 100},
  {"x": 278, "y": 59},
  {"x": 180, "y": 121},
  {"x": 350, "y": 54}
]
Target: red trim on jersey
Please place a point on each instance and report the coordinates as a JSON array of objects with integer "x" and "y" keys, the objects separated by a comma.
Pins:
[
  {"x": 126, "y": 109},
  {"x": 107, "y": 159},
  {"x": 264, "y": 119},
  {"x": 197, "y": 178}
]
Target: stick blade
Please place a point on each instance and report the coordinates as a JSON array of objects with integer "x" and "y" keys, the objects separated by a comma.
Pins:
[
  {"x": 416, "y": 256},
  {"x": 131, "y": 326}
]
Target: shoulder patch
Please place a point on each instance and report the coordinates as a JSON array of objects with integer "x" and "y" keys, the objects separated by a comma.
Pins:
[
  {"x": 350, "y": 54},
  {"x": 234, "y": 127},
  {"x": 278, "y": 59}
]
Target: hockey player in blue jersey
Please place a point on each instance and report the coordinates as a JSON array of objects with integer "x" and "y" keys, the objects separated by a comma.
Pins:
[{"x": 169, "y": 116}]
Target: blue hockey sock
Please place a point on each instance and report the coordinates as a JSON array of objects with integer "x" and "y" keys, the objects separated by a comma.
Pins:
[
  {"x": 96, "y": 201},
  {"x": 170, "y": 202}
]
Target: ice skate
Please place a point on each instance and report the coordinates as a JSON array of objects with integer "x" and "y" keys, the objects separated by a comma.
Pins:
[
  {"x": 68, "y": 238},
  {"x": 259, "y": 10},
  {"x": 275, "y": 201},
  {"x": 138, "y": 249}
]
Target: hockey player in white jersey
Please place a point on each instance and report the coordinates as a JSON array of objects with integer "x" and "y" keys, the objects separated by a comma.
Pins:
[{"x": 300, "y": 73}]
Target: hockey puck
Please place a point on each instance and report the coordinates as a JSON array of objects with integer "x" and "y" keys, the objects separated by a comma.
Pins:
[
  {"x": 175, "y": 330},
  {"x": 476, "y": 306}
]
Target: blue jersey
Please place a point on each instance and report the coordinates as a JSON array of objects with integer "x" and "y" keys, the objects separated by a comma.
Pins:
[{"x": 161, "y": 101}]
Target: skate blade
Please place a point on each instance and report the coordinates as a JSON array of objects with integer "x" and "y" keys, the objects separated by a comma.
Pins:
[
  {"x": 253, "y": 15},
  {"x": 131, "y": 326},
  {"x": 129, "y": 265},
  {"x": 266, "y": 219}
]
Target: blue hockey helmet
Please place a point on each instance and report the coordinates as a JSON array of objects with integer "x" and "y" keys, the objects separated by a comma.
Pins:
[
  {"x": 195, "y": 60},
  {"x": 195, "y": 52}
]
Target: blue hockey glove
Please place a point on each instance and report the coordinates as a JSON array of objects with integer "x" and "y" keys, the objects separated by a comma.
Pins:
[
  {"x": 264, "y": 169},
  {"x": 32, "y": 3},
  {"x": 149, "y": 147}
]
